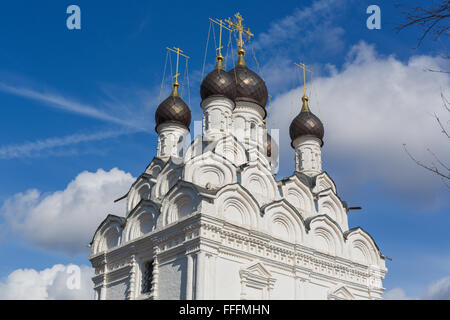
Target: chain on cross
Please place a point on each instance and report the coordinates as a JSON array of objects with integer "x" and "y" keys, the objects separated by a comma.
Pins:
[
  {"x": 222, "y": 26},
  {"x": 305, "y": 69},
  {"x": 179, "y": 53}
]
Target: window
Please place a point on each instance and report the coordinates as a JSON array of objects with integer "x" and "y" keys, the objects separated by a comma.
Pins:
[{"x": 147, "y": 277}]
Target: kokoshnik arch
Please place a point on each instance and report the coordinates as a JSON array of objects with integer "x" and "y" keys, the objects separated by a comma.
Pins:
[{"x": 212, "y": 222}]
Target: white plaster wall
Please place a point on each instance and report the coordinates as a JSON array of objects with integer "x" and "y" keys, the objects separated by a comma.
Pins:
[
  {"x": 172, "y": 280},
  {"x": 314, "y": 291},
  {"x": 284, "y": 288},
  {"x": 117, "y": 291},
  {"x": 228, "y": 282}
]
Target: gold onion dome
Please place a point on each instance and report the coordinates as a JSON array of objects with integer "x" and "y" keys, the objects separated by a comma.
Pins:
[
  {"x": 249, "y": 85},
  {"x": 173, "y": 109},
  {"x": 218, "y": 83},
  {"x": 306, "y": 124}
]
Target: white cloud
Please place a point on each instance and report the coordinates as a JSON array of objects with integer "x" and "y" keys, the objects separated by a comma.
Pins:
[
  {"x": 439, "y": 290},
  {"x": 395, "y": 294},
  {"x": 370, "y": 108},
  {"x": 301, "y": 31},
  {"x": 66, "y": 220},
  {"x": 48, "y": 284},
  {"x": 45, "y": 146},
  {"x": 129, "y": 107},
  {"x": 57, "y": 101},
  {"x": 304, "y": 25}
]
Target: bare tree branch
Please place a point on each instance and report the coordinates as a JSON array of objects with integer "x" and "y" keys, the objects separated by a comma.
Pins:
[
  {"x": 434, "y": 23},
  {"x": 430, "y": 20},
  {"x": 438, "y": 160},
  {"x": 445, "y": 102},
  {"x": 444, "y": 131},
  {"x": 429, "y": 168}
]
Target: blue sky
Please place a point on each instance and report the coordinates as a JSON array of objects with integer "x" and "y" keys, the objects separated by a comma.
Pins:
[{"x": 78, "y": 101}]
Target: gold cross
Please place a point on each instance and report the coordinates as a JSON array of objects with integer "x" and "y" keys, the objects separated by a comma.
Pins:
[
  {"x": 178, "y": 51},
  {"x": 239, "y": 28},
  {"x": 305, "y": 68},
  {"x": 222, "y": 25}
]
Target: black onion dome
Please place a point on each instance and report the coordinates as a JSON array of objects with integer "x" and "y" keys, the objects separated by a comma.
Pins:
[
  {"x": 249, "y": 85},
  {"x": 218, "y": 83},
  {"x": 173, "y": 109},
  {"x": 306, "y": 123}
]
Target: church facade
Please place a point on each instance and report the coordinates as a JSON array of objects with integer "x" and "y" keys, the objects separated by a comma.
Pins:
[{"x": 211, "y": 221}]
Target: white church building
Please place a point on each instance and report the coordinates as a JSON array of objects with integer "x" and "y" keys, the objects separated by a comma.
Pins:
[{"x": 211, "y": 221}]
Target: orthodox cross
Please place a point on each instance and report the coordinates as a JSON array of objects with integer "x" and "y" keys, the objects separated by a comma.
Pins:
[
  {"x": 179, "y": 53},
  {"x": 305, "y": 69},
  {"x": 222, "y": 25},
  {"x": 239, "y": 28}
]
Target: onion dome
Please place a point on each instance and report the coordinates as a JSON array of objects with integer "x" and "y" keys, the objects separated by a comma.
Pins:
[
  {"x": 306, "y": 124},
  {"x": 218, "y": 83},
  {"x": 249, "y": 85},
  {"x": 173, "y": 109}
]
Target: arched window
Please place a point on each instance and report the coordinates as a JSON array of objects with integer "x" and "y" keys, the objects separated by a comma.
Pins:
[
  {"x": 147, "y": 277},
  {"x": 253, "y": 131}
]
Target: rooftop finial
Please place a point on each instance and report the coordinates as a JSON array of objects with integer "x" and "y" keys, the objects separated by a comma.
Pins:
[
  {"x": 175, "y": 85},
  {"x": 238, "y": 26},
  {"x": 305, "y": 107}
]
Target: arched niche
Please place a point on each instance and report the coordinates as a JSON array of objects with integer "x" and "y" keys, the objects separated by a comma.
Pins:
[
  {"x": 259, "y": 181},
  {"x": 182, "y": 200},
  {"x": 324, "y": 182},
  {"x": 141, "y": 221},
  {"x": 362, "y": 249},
  {"x": 217, "y": 118},
  {"x": 231, "y": 149},
  {"x": 166, "y": 180},
  {"x": 108, "y": 235},
  {"x": 299, "y": 196},
  {"x": 325, "y": 236},
  {"x": 236, "y": 205},
  {"x": 210, "y": 171},
  {"x": 329, "y": 204},
  {"x": 140, "y": 190},
  {"x": 155, "y": 167},
  {"x": 283, "y": 222}
]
